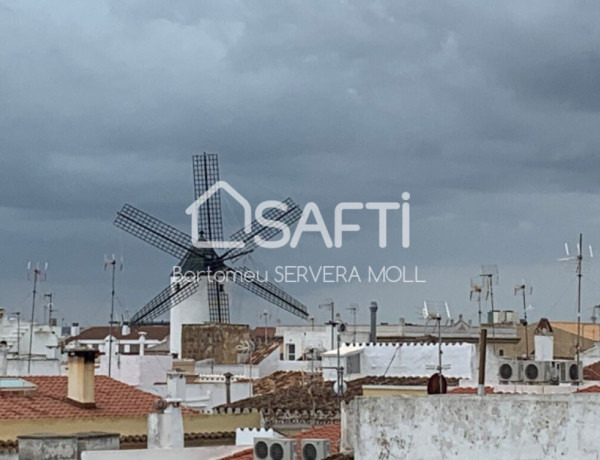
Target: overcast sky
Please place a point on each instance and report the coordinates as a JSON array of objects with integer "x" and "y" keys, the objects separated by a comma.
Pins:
[{"x": 487, "y": 114}]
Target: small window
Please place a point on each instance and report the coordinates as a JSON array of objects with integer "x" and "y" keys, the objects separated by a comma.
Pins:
[
  {"x": 291, "y": 351},
  {"x": 501, "y": 352}
]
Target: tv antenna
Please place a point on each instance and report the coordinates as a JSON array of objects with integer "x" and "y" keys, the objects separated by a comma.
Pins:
[
  {"x": 112, "y": 262},
  {"x": 578, "y": 260},
  {"x": 353, "y": 308},
  {"x": 525, "y": 289},
  {"x": 476, "y": 293},
  {"x": 436, "y": 315},
  {"x": 267, "y": 316},
  {"x": 35, "y": 273},
  {"x": 489, "y": 273}
]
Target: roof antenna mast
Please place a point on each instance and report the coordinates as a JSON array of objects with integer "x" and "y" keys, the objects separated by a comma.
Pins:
[
  {"x": 112, "y": 262},
  {"x": 578, "y": 259},
  {"x": 524, "y": 289},
  {"x": 37, "y": 273}
]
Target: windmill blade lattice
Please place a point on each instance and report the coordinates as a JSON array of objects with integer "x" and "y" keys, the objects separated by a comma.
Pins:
[
  {"x": 165, "y": 300},
  {"x": 206, "y": 173},
  {"x": 269, "y": 291},
  {"x": 287, "y": 217}
]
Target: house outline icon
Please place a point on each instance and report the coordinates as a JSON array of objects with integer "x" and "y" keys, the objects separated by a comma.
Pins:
[{"x": 193, "y": 210}]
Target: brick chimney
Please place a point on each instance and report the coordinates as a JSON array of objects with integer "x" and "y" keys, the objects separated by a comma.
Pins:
[{"x": 80, "y": 387}]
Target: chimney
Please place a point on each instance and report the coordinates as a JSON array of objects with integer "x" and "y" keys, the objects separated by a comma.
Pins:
[
  {"x": 3, "y": 357},
  {"x": 80, "y": 387},
  {"x": 75, "y": 330},
  {"x": 142, "y": 340},
  {"x": 165, "y": 428},
  {"x": 176, "y": 385},
  {"x": 125, "y": 329},
  {"x": 373, "y": 335},
  {"x": 543, "y": 341}
]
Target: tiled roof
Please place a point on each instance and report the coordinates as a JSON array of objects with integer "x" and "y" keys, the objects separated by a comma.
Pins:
[
  {"x": 469, "y": 391},
  {"x": 101, "y": 332},
  {"x": 113, "y": 399},
  {"x": 297, "y": 391},
  {"x": 592, "y": 389},
  {"x": 262, "y": 351},
  {"x": 331, "y": 432},
  {"x": 592, "y": 372}
]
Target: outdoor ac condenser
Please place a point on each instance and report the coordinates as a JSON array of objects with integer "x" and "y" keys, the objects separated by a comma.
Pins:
[
  {"x": 274, "y": 449},
  {"x": 570, "y": 372},
  {"x": 534, "y": 371},
  {"x": 315, "y": 449},
  {"x": 510, "y": 371}
]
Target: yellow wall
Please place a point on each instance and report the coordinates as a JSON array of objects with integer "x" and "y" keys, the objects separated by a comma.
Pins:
[
  {"x": 192, "y": 423},
  {"x": 394, "y": 391}
]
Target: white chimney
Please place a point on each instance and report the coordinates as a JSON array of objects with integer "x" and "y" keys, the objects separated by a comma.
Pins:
[
  {"x": 75, "y": 329},
  {"x": 125, "y": 329},
  {"x": 543, "y": 341},
  {"x": 142, "y": 340},
  {"x": 165, "y": 428},
  {"x": 3, "y": 357}
]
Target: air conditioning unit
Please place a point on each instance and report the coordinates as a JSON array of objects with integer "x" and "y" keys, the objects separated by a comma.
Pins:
[
  {"x": 510, "y": 371},
  {"x": 534, "y": 371},
  {"x": 315, "y": 449},
  {"x": 274, "y": 449},
  {"x": 570, "y": 372}
]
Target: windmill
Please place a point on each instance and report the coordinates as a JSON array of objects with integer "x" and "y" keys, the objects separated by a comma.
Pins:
[
  {"x": 210, "y": 302},
  {"x": 525, "y": 289}
]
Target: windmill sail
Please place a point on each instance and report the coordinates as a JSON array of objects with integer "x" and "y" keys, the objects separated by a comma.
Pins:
[{"x": 206, "y": 173}]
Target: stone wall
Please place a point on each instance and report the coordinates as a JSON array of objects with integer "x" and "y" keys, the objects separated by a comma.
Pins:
[{"x": 213, "y": 341}]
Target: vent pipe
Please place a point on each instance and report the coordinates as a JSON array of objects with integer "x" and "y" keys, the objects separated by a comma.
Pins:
[
  {"x": 228, "y": 376},
  {"x": 373, "y": 334},
  {"x": 3, "y": 357}
]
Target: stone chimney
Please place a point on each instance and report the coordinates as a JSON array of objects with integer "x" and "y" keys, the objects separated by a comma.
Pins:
[
  {"x": 373, "y": 334},
  {"x": 80, "y": 387}
]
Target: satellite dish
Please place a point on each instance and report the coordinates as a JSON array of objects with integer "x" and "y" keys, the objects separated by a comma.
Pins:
[{"x": 343, "y": 389}]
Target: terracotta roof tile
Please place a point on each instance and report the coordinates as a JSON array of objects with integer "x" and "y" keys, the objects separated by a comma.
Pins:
[
  {"x": 592, "y": 372},
  {"x": 113, "y": 399},
  {"x": 592, "y": 389},
  {"x": 101, "y": 332},
  {"x": 296, "y": 391},
  {"x": 470, "y": 391}
]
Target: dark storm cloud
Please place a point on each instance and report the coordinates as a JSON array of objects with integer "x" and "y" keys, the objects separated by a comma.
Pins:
[{"x": 486, "y": 114}]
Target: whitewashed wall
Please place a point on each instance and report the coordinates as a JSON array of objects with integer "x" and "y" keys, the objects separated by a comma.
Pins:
[
  {"x": 409, "y": 360},
  {"x": 472, "y": 427},
  {"x": 137, "y": 370}
]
